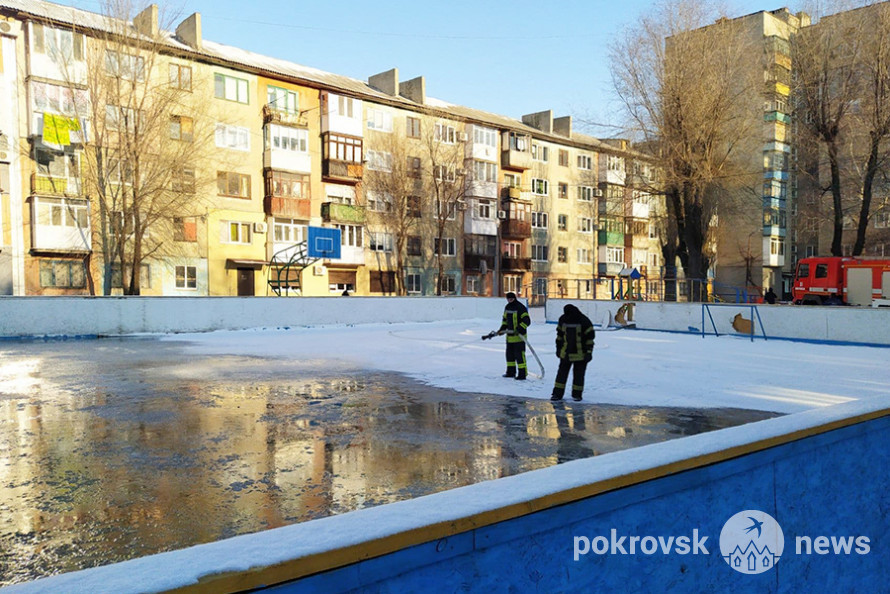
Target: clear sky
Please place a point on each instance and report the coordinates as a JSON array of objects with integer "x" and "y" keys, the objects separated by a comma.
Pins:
[{"x": 509, "y": 58}]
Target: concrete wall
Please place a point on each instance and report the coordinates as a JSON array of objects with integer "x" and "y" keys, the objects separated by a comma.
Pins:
[
  {"x": 860, "y": 325},
  {"x": 90, "y": 316}
]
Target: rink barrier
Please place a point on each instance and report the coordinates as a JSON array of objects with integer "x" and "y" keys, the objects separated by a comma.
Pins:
[
  {"x": 70, "y": 317},
  {"x": 814, "y": 472},
  {"x": 868, "y": 326}
]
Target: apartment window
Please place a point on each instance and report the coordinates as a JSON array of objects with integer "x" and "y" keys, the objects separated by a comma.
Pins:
[
  {"x": 540, "y": 220},
  {"x": 562, "y": 222},
  {"x": 186, "y": 277},
  {"x": 562, "y": 255},
  {"x": 585, "y": 162},
  {"x": 653, "y": 232},
  {"x": 540, "y": 153},
  {"x": 185, "y": 229},
  {"x": 289, "y": 231},
  {"x": 563, "y": 190},
  {"x": 811, "y": 251},
  {"x": 117, "y": 279},
  {"x": 344, "y": 148},
  {"x": 182, "y": 128},
  {"x": 519, "y": 142},
  {"x": 233, "y": 185},
  {"x": 379, "y": 120},
  {"x": 882, "y": 220},
  {"x": 412, "y": 127},
  {"x": 473, "y": 284},
  {"x": 232, "y": 137},
  {"x": 513, "y": 283},
  {"x": 512, "y": 180},
  {"x": 448, "y": 209},
  {"x": 230, "y": 88},
  {"x": 563, "y": 158},
  {"x": 379, "y": 201},
  {"x": 539, "y": 253},
  {"x": 52, "y": 164},
  {"x": 413, "y": 167},
  {"x": 776, "y": 246},
  {"x": 380, "y": 242},
  {"x": 512, "y": 249},
  {"x": 123, "y": 65},
  {"x": 585, "y": 224},
  {"x": 285, "y": 138},
  {"x": 282, "y": 99},
  {"x": 183, "y": 180},
  {"x": 446, "y": 246},
  {"x": 583, "y": 256},
  {"x": 180, "y": 77},
  {"x": 614, "y": 163},
  {"x": 484, "y": 209},
  {"x": 350, "y": 235},
  {"x": 63, "y": 212},
  {"x": 445, "y": 134},
  {"x": 123, "y": 118},
  {"x": 485, "y": 137},
  {"x": 414, "y": 245},
  {"x": 585, "y": 193},
  {"x": 653, "y": 260},
  {"x": 412, "y": 284},
  {"x": 811, "y": 224},
  {"x": 444, "y": 173},
  {"x": 615, "y": 255},
  {"x": 287, "y": 185},
  {"x": 449, "y": 284},
  {"x": 346, "y": 107},
  {"x": 63, "y": 274},
  {"x": 380, "y": 161},
  {"x": 485, "y": 172},
  {"x": 58, "y": 44},
  {"x": 59, "y": 99},
  {"x": 413, "y": 207},
  {"x": 541, "y": 187},
  {"x": 234, "y": 232}
]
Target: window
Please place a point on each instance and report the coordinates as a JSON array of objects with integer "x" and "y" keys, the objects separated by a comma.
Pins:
[
  {"x": 413, "y": 207},
  {"x": 519, "y": 142},
  {"x": 181, "y": 77},
  {"x": 821, "y": 270},
  {"x": 230, "y": 88},
  {"x": 653, "y": 232},
  {"x": 539, "y": 253},
  {"x": 562, "y": 255},
  {"x": 183, "y": 180},
  {"x": 412, "y": 284},
  {"x": 117, "y": 279},
  {"x": 449, "y": 209},
  {"x": 286, "y": 138},
  {"x": 182, "y": 128},
  {"x": 485, "y": 172},
  {"x": 615, "y": 255},
  {"x": 343, "y": 148},
  {"x": 811, "y": 251},
  {"x": 63, "y": 212},
  {"x": 473, "y": 284},
  {"x": 232, "y": 137},
  {"x": 445, "y": 134},
  {"x": 346, "y": 107},
  {"x": 540, "y": 153},
  {"x": 562, "y": 190},
  {"x": 413, "y": 167},
  {"x": 185, "y": 229},
  {"x": 64, "y": 274},
  {"x": 287, "y": 185},
  {"x": 235, "y": 232},
  {"x": 583, "y": 256},
  {"x": 282, "y": 99},
  {"x": 513, "y": 283},
  {"x": 379, "y": 161},
  {"x": 585, "y": 224},
  {"x": 59, "y": 99},
  {"x": 563, "y": 158},
  {"x": 444, "y": 173},
  {"x": 186, "y": 277},
  {"x": 585, "y": 162},
  {"x": 379, "y": 120},
  {"x": 350, "y": 235},
  {"x": 234, "y": 185},
  {"x": 123, "y": 65},
  {"x": 55, "y": 164},
  {"x": 882, "y": 219},
  {"x": 447, "y": 246},
  {"x": 562, "y": 222},
  {"x": 58, "y": 44},
  {"x": 776, "y": 246},
  {"x": 414, "y": 245},
  {"x": 412, "y": 127},
  {"x": 541, "y": 187},
  {"x": 289, "y": 231},
  {"x": 485, "y": 137},
  {"x": 585, "y": 193},
  {"x": 484, "y": 209},
  {"x": 449, "y": 284},
  {"x": 380, "y": 242},
  {"x": 123, "y": 118},
  {"x": 512, "y": 249},
  {"x": 512, "y": 180},
  {"x": 540, "y": 220},
  {"x": 379, "y": 201}
]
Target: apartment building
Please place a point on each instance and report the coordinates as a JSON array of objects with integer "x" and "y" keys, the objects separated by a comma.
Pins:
[{"x": 428, "y": 197}]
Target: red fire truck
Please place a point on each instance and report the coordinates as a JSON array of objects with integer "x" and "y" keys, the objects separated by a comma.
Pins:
[{"x": 834, "y": 280}]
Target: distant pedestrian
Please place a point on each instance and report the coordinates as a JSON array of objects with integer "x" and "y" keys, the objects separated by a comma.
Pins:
[
  {"x": 515, "y": 324},
  {"x": 574, "y": 347},
  {"x": 770, "y": 296}
]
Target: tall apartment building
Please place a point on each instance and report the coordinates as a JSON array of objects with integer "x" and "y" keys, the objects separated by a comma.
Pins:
[{"x": 427, "y": 196}]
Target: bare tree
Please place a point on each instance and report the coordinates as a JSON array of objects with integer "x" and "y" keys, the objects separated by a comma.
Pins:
[
  {"x": 144, "y": 142},
  {"x": 683, "y": 76}
]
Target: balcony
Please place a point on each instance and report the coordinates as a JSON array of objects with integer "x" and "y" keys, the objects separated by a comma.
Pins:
[
  {"x": 60, "y": 225},
  {"x": 342, "y": 213},
  {"x": 346, "y": 171},
  {"x": 513, "y": 229},
  {"x": 777, "y": 116},
  {"x": 281, "y": 116},
  {"x": 290, "y": 208},
  {"x": 474, "y": 262},
  {"x": 609, "y": 237},
  {"x": 55, "y": 186},
  {"x": 509, "y": 263},
  {"x": 516, "y": 159},
  {"x": 609, "y": 269}
]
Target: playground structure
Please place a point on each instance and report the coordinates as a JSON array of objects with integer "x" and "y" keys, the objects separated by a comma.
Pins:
[{"x": 287, "y": 265}]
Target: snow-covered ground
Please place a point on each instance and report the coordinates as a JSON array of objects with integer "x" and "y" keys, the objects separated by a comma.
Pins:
[{"x": 629, "y": 367}]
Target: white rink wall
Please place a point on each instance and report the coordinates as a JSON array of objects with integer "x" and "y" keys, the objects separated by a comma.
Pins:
[
  {"x": 91, "y": 316},
  {"x": 860, "y": 325}
]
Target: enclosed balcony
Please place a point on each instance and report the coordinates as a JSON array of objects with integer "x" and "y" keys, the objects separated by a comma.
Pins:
[
  {"x": 509, "y": 263},
  {"x": 283, "y": 116},
  {"x": 342, "y": 158},
  {"x": 47, "y": 185},
  {"x": 514, "y": 229},
  {"x": 290, "y": 208},
  {"x": 342, "y": 170},
  {"x": 478, "y": 263},
  {"x": 516, "y": 151},
  {"x": 60, "y": 225},
  {"x": 335, "y": 212}
]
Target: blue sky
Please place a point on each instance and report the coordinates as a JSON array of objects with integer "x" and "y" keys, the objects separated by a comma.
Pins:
[{"x": 509, "y": 58}]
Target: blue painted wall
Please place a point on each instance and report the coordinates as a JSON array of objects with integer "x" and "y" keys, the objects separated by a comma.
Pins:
[{"x": 832, "y": 484}]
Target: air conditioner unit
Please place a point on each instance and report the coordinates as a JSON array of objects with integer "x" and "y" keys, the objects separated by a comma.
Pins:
[
  {"x": 502, "y": 214},
  {"x": 464, "y": 137},
  {"x": 319, "y": 271},
  {"x": 259, "y": 227},
  {"x": 598, "y": 193}
]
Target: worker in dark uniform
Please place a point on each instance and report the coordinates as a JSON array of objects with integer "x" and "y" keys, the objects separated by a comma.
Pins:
[
  {"x": 515, "y": 325},
  {"x": 574, "y": 347}
]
